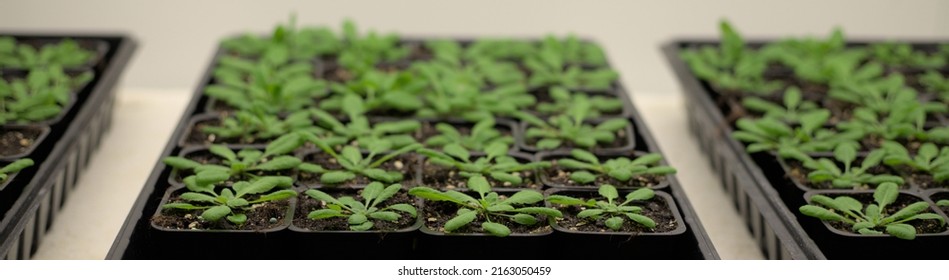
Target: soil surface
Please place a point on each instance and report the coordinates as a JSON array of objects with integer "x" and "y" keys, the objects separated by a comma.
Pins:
[
  {"x": 903, "y": 200},
  {"x": 307, "y": 204},
  {"x": 435, "y": 214},
  {"x": 405, "y": 163},
  {"x": 17, "y": 141},
  {"x": 447, "y": 178},
  {"x": 656, "y": 209},
  {"x": 260, "y": 217},
  {"x": 925, "y": 181}
]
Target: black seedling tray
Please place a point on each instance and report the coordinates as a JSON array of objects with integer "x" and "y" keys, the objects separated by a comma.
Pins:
[
  {"x": 759, "y": 188},
  {"x": 31, "y": 201},
  {"x": 138, "y": 239}
]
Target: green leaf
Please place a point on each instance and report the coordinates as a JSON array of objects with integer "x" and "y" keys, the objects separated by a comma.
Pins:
[
  {"x": 847, "y": 203},
  {"x": 496, "y": 229},
  {"x": 224, "y": 152},
  {"x": 524, "y": 197},
  {"x": 564, "y": 200},
  {"x": 621, "y": 174},
  {"x": 820, "y": 213},
  {"x": 479, "y": 184},
  {"x": 362, "y": 227},
  {"x": 176, "y": 162},
  {"x": 385, "y": 216},
  {"x": 505, "y": 177},
  {"x": 198, "y": 197},
  {"x": 404, "y": 208},
  {"x": 642, "y": 220},
  {"x": 902, "y": 231},
  {"x": 524, "y": 219},
  {"x": 590, "y": 213},
  {"x": 357, "y": 218},
  {"x": 372, "y": 191},
  {"x": 260, "y": 185},
  {"x": 540, "y": 211},
  {"x": 283, "y": 145},
  {"x": 456, "y": 151},
  {"x": 640, "y": 194},
  {"x": 608, "y": 191},
  {"x": 183, "y": 206},
  {"x": 336, "y": 177},
  {"x": 548, "y": 144},
  {"x": 496, "y": 149},
  {"x": 614, "y": 223},
  {"x": 582, "y": 177},
  {"x": 907, "y": 211},
  {"x": 460, "y": 220},
  {"x": 276, "y": 196},
  {"x": 310, "y": 168},
  {"x": 216, "y": 213},
  {"x": 612, "y": 125},
  {"x": 239, "y": 219},
  {"x": 886, "y": 194},
  {"x": 434, "y": 195},
  {"x": 211, "y": 177},
  {"x": 324, "y": 214},
  {"x": 279, "y": 163}
]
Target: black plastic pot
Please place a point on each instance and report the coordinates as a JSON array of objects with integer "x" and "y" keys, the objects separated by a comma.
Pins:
[
  {"x": 35, "y": 132},
  {"x": 138, "y": 240},
  {"x": 756, "y": 183},
  {"x": 31, "y": 202},
  {"x": 553, "y": 156}
]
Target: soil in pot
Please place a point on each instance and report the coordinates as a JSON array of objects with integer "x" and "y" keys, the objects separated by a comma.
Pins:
[
  {"x": 15, "y": 141},
  {"x": 435, "y": 214},
  {"x": 655, "y": 208},
  {"x": 406, "y": 164},
  {"x": 307, "y": 204},
  {"x": 448, "y": 178},
  {"x": 261, "y": 217}
]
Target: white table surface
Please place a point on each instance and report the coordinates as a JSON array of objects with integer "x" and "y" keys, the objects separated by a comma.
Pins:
[{"x": 145, "y": 118}]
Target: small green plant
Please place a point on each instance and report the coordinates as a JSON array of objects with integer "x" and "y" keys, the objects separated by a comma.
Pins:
[
  {"x": 354, "y": 163},
  {"x": 935, "y": 82},
  {"x": 458, "y": 92},
  {"x": 882, "y": 95},
  {"x": 361, "y": 53},
  {"x": 359, "y": 129},
  {"x": 245, "y": 164},
  {"x": 622, "y": 168},
  {"x": 40, "y": 96},
  {"x": 279, "y": 87},
  {"x": 66, "y": 53},
  {"x": 791, "y": 111},
  {"x": 489, "y": 207},
  {"x": 871, "y": 219},
  {"x": 825, "y": 169},
  {"x": 499, "y": 49},
  {"x": 943, "y": 203},
  {"x": 770, "y": 134},
  {"x": 549, "y": 69},
  {"x": 496, "y": 163},
  {"x": 612, "y": 210},
  {"x": 252, "y": 126},
  {"x": 297, "y": 43},
  {"x": 231, "y": 202},
  {"x": 902, "y": 54},
  {"x": 570, "y": 127},
  {"x": 446, "y": 50},
  {"x": 499, "y": 73},
  {"x": 574, "y": 51},
  {"x": 562, "y": 100},
  {"x": 379, "y": 92},
  {"x": 822, "y": 61},
  {"x": 482, "y": 135},
  {"x": 731, "y": 65},
  {"x": 905, "y": 120},
  {"x": 360, "y": 214},
  {"x": 14, "y": 167},
  {"x": 929, "y": 159}
]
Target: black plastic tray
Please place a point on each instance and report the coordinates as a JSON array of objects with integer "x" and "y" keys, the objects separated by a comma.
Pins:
[
  {"x": 63, "y": 155},
  {"x": 138, "y": 240},
  {"x": 760, "y": 199}
]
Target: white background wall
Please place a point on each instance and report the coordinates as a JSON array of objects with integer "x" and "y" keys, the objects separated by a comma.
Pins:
[{"x": 177, "y": 37}]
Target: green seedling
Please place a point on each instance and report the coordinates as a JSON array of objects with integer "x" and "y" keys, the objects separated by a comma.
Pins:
[
  {"x": 482, "y": 135},
  {"x": 943, "y": 203},
  {"x": 446, "y": 51},
  {"x": 822, "y": 61},
  {"x": 562, "y": 100},
  {"x": 353, "y": 163},
  {"x": 935, "y": 82},
  {"x": 14, "y": 167},
  {"x": 611, "y": 209},
  {"x": 245, "y": 164},
  {"x": 379, "y": 92},
  {"x": 621, "y": 169},
  {"x": 570, "y": 127},
  {"x": 40, "y": 96},
  {"x": 457, "y": 92},
  {"x": 769, "y": 134},
  {"x": 871, "y": 219},
  {"x": 825, "y": 169},
  {"x": 360, "y": 130},
  {"x": 66, "y": 53},
  {"x": 361, "y": 53},
  {"x": 499, "y": 49},
  {"x": 499, "y": 73},
  {"x": 549, "y": 69},
  {"x": 791, "y": 111},
  {"x": 252, "y": 126},
  {"x": 573, "y": 51},
  {"x": 731, "y": 66},
  {"x": 286, "y": 40},
  {"x": 361, "y": 214},
  {"x": 231, "y": 202},
  {"x": 279, "y": 87},
  {"x": 489, "y": 207},
  {"x": 882, "y": 95},
  {"x": 901, "y": 54},
  {"x": 496, "y": 163},
  {"x": 929, "y": 159},
  {"x": 905, "y": 120}
]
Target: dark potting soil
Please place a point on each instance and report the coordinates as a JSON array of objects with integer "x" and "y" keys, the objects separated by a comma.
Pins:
[
  {"x": 621, "y": 140},
  {"x": 17, "y": 141},
  {"x": 260, "y": 217},
  {"x": 557, "y": 175},
  {"x": 656, "y": 209},
  {"x": 903, "y": 200},
  {"x": 925, "y": 181},
  {"x": 206, "y": 157},
  {"x": 435, "y": 214},
  {"x": 447, "y": 178},
  {"x": 307, "y": 204},
  {"x": 406, "y": 163}
]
